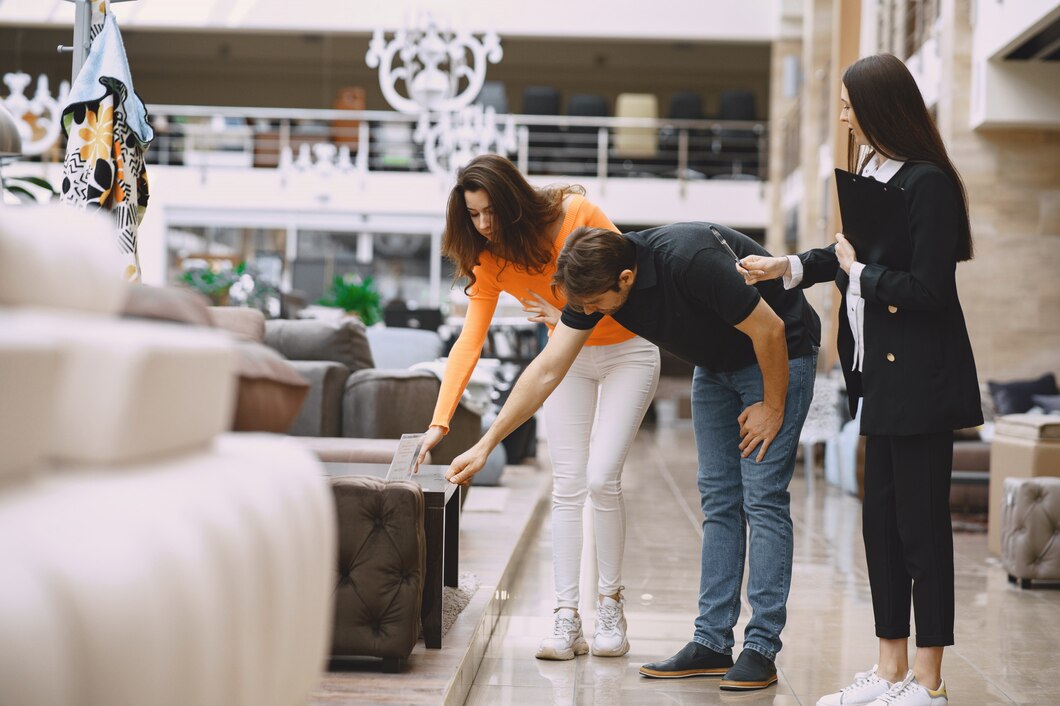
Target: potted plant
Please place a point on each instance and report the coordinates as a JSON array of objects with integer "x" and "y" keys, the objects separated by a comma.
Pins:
[
  {"x": 214, "y": 284},
  {"x": 354, "y": 296}
]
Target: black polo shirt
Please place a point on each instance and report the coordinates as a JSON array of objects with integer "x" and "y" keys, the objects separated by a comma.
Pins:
[{"x": 688, "y": 296}]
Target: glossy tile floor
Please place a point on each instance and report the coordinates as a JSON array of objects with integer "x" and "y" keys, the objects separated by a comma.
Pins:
[{"x": 1007, "y": 640}]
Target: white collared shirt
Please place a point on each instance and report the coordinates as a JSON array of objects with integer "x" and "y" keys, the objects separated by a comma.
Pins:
[{"x": 881, "y": 171}]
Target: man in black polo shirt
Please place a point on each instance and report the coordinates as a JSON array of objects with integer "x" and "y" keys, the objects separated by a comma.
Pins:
[{"x": 755, "y": 352}]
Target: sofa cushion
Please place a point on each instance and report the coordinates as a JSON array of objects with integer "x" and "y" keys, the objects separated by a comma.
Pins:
[
  {"x": 129, "y": 390},
  {"x": 1029, "y": 426},
  {"x": 403, "y": 347},
  {"x": 175, "y": 304},
  {"x": 1050, "y": 403},
  {"x": 244, "y": 323},
  {"x": 59, "y": 257},
  {"x": 321, "y": 413},
  {"x": 315, "y": 339},
  {"x": 29, "y": 373},
  {"x": 1014, "y": 397},
  {"x": 271, "y": 391}
]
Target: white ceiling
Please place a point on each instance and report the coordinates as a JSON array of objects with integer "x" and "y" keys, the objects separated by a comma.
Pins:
[{"x": 694, "y": 20}]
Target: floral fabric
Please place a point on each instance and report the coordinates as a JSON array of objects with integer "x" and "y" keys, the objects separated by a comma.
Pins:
[{"x": 108, "y": 136}]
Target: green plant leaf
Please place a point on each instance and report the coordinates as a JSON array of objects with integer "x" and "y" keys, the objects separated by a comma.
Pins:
[
  {"x": 35, "y": 181},
  {"x": 23, "y": 195}
]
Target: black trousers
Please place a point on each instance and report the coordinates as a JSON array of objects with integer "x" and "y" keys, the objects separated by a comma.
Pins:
[{"x": 908, "y": 535}]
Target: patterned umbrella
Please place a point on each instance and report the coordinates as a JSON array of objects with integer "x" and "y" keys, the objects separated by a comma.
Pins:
[{"x": 108, "y": 135}]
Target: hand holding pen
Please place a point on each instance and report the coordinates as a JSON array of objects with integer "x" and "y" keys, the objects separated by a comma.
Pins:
[{"x": 754, "y": 268}]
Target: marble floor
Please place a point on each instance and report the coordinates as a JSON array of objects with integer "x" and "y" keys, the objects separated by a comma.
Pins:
[{"x": 1007, "y": 639}]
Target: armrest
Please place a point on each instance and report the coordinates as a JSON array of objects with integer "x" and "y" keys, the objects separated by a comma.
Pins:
[
  {"x": 321, "y": 413},
  {"x": 386, "y": 403}
]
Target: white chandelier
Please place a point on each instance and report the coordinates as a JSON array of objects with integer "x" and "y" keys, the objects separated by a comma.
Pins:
[
  {"x": 38, "y": 118},
  {"x": 442, "y": 72}
]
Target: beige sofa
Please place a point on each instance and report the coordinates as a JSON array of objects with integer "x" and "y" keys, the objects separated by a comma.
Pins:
[
  {"x": 1024, "y": 446},
  {"x": 148, "y": 557},
  {"x": 1029, "y": 525}
]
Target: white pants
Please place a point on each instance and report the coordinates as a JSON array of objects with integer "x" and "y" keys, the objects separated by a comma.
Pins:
[{"x": 620, "y": 381}]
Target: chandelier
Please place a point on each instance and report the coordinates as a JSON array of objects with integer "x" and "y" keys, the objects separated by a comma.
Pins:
[
  {"x": 38, "y": 118},
  {"x": 441, "y": 73}
]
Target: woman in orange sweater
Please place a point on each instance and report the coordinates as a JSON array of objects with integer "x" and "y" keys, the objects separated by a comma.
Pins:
[{"x": 504, "y": 235}]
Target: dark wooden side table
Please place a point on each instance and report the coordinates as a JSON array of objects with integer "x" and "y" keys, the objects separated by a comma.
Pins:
[{"x": 441, "y": 528}]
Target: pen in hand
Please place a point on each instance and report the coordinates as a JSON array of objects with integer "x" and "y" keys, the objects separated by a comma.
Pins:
[{"x": 717, "y": 234}]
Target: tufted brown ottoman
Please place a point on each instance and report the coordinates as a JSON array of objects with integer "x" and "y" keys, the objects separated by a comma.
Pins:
[
  {"x": 1030, "y": 527},
  {"x": 381, "y": 565}
]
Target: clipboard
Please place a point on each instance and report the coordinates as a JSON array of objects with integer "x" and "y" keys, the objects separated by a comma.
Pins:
[{"x": 875, "y": 220}]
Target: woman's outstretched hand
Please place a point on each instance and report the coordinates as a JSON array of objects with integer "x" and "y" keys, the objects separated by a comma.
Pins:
[
  {"x": 466, "y": 465},
  {"x": 431, "y": 437},
  {"x": 540, "y": 310},
  {"x": 756, "y": 268}
]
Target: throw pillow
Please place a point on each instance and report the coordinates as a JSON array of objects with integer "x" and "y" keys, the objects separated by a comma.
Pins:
[
  {"x": 271, "y": 392},
  {"x": 1014, "y": 397},
  {"x": 342, "y": 341},
  {"x": 176, "y": 304},
  {"x": 1050, "y": 403},
  {"x": 244, "y": 323}
]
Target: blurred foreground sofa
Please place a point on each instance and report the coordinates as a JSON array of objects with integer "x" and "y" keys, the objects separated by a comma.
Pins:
[{"x": 148, "y": 557}]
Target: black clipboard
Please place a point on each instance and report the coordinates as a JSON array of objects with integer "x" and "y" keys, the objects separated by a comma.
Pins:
[{"x": 875, "y": 220}]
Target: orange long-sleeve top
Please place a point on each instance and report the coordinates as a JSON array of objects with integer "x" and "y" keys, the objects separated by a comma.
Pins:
[{"x": 490, "y": 282}]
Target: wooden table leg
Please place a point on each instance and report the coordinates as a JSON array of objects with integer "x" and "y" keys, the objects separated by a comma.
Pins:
[
  {"x": 434, "y": 529},
  {"x": 451, "y": 557}
]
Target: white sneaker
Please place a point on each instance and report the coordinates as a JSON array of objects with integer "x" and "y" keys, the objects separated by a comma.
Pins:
[
  {"x": 908, "y": 693},
  {"x": 867, "y": 687},
  {"x": 609, "y": 640},
  {"x": 566, "y": 639}
]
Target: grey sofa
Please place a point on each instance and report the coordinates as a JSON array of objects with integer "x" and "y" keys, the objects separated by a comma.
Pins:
[{"x": 350, "y": 397}]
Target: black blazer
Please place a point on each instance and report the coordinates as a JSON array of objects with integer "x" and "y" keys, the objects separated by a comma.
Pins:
[{"x": 919, "y": 373}]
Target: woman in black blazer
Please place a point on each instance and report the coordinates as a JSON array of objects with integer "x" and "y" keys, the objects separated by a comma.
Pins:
[{"x": 905, "y": 353}]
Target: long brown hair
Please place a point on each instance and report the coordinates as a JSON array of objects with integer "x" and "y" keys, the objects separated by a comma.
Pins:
[
  {"x": 896, "y": 123},
  {"x": 521, "y": 224}
]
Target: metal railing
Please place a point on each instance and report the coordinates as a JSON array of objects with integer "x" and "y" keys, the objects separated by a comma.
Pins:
[{"x": 211, "y": 137}]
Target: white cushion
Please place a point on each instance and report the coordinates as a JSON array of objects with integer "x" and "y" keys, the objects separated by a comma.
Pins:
[
  {"x": 59, "y": 257},
  {"x": 29, "y": 369},
  {"x": 131, "y": 390},
  {"x": 202, "y": 579}
]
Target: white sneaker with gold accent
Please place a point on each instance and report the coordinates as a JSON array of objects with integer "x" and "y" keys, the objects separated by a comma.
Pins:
[
  {"x": 866, "y": 688},
  {"x": 909, "y": 693}
]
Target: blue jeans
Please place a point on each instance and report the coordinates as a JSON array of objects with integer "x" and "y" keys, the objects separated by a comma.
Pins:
[{"x": 737, "y": 494}]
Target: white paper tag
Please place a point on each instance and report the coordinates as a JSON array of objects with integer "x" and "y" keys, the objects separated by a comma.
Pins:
[{"x": 404, "y": 462}]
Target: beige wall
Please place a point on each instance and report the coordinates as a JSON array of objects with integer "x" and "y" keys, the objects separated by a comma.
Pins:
[{"x": 1011, "y": 290}]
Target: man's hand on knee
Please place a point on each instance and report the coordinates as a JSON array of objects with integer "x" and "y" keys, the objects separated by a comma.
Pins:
[{"x": 759, "y": 425}]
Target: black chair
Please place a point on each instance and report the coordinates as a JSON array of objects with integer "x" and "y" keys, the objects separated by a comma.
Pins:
[
  {"x": 397, "y": 314},
  {"x": 494, "y": 95},
  {"x": 685, "y": 105},
  {"x": 545, "y": 140},
  {"x": 582, "y": 139},
  {"x": 738, "y": 147}
]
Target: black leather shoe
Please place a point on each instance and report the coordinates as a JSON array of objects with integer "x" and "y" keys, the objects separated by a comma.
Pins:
[
  {"x": 694, "y": 660},
  {"x": 752, "y": 670}
]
